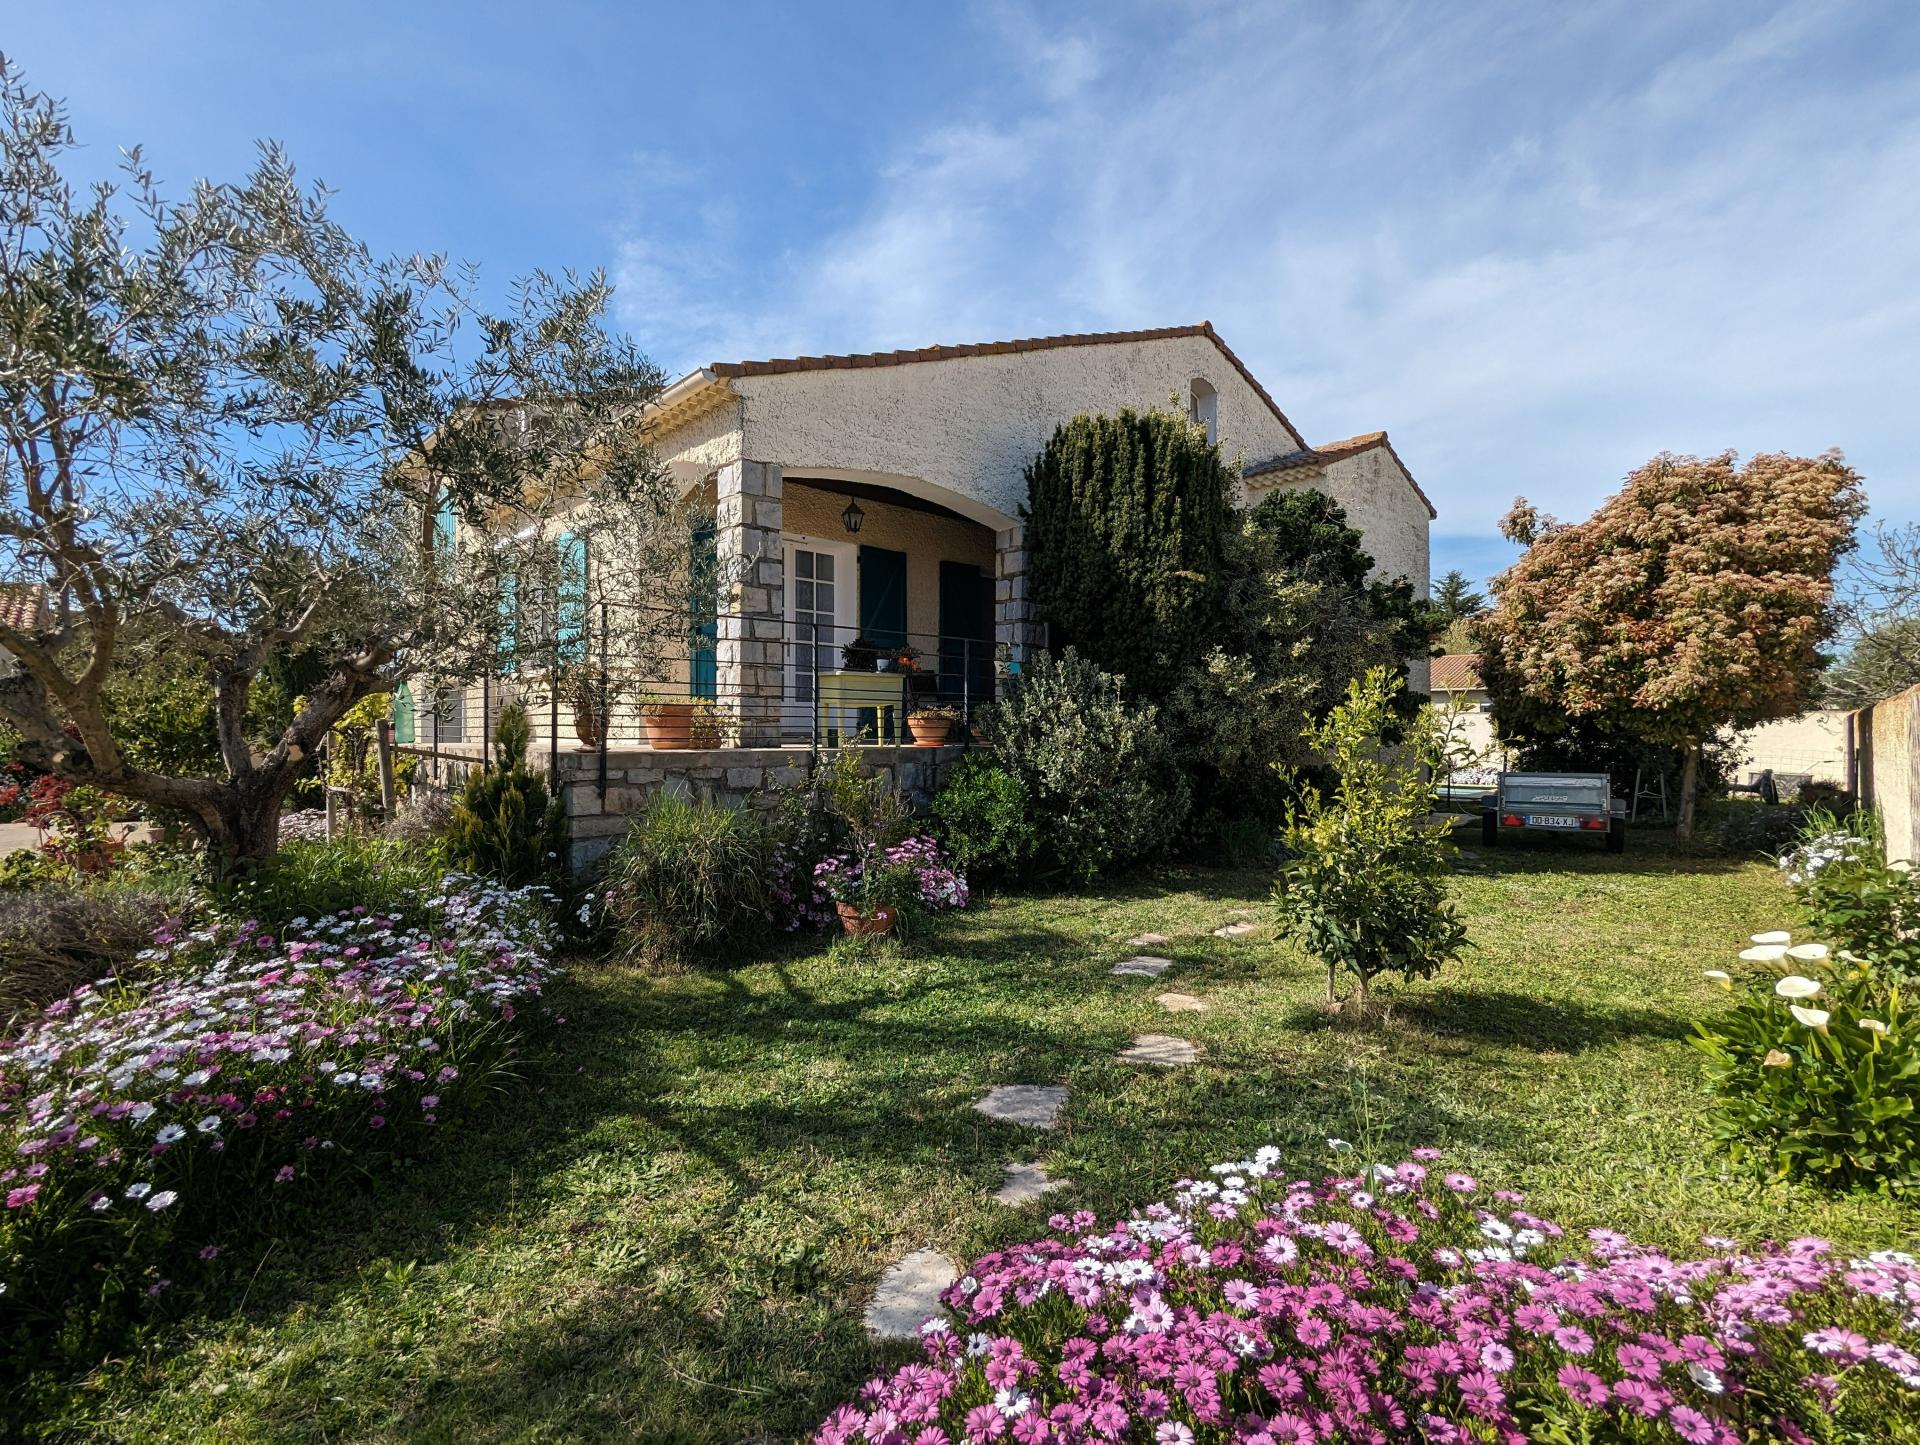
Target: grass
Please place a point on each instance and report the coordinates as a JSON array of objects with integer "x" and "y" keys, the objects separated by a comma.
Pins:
[{"x": 672, "y": 1232}]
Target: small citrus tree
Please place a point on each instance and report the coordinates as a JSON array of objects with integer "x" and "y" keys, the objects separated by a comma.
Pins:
[{"x": 1364, "y": 885}]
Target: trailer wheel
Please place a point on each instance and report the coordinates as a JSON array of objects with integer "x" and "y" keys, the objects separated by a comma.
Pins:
[
  {"x": 1616, "y": 837},
  {"x": 1490, "y": 830}
]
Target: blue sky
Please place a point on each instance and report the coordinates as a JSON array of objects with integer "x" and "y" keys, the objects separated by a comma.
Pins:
[{"x": 1537, "y": 243}]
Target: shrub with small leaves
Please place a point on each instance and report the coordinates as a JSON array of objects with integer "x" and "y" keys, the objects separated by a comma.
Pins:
[
  {"x": 984, "y": 816},
  {"x": 505, "y": 824}
]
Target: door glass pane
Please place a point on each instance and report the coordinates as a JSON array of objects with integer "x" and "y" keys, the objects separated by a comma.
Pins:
[{"x": 823, "y": 565}]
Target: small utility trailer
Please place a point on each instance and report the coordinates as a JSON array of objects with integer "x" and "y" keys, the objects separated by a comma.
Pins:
[{"x": 1580, "y": 803}]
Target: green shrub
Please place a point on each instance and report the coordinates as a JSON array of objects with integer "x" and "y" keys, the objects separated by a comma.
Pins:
[
  {"x": 1364, "y": 885},
  {"x": 689, "y": 880},
  {"x": 984, "y": 817},
  {"x": 1750, "y": 827},
  {"x": 1816, "y": 1067},
  {"x": 1127, "y": 520},
  {"x": 310, "y": 878},
  {"x": 505, "y": 823},
  {"x": 1854, "y": 898},
  {"x": 1098, "y": 768}
]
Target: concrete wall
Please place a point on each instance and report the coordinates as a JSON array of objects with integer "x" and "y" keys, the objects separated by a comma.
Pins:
[
  {"x": 1886, "y": 746},
  {"x": 970, "y": 425},
  {"x": 1814, "y": 744}
]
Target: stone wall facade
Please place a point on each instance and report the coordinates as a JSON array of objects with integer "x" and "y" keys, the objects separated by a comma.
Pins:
[{"x": 740, "y": 777}]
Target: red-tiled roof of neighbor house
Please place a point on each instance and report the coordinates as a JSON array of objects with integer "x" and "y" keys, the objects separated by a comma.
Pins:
[
  {"x": 1333, "y": 452},
  {"x": 1456, "y": 672},
  {"x": 1002, "y": 348},
  {"x": 23, "y": 605}
]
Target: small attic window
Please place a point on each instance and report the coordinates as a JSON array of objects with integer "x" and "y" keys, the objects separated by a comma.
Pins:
[{"x": 1203, "y": 406}]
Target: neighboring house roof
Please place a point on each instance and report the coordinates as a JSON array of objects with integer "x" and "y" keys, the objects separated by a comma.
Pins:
[
  {"x": 1333, "y": 452},
  {"x": 23, "y": 606},
  {"x": 861, "y": 360},
  {"x": 1456, "y": 672}
]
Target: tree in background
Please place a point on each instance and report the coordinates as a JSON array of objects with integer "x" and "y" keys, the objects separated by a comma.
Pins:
[
  {"x": 1455, "y": 598},
  {"x": 1880, "y": 622},
  {"x": 1696, "y": 598},
  {"x": 229, "y": 433},
  {"x": 1128, "y": 520}
]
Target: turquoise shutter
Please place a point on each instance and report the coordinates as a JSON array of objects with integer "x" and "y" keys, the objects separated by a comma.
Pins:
[
  {"x": 509, "y": 621},
  {"x": 570, "y": 617},
  {"x": 883, "y": 596},
  {"x": 403, "y": 727},
  {"x": 446, "y": 524},
  {"x": 703, "y": 665}
]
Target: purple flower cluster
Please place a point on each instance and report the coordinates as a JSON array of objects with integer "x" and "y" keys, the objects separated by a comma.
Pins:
[
  {"x": 249, "y": 1054},
  {"x": 1397, "y": 1304},
  {"x": 936, "y": 885}
]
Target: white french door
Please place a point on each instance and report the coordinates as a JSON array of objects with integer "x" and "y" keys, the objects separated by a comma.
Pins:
[{"x": 822, "y": 582}]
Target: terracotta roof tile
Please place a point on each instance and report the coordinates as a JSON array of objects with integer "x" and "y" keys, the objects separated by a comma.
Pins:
[
  {"x": 782, "y": 365},
  {"x": 1456, "y": 672}
]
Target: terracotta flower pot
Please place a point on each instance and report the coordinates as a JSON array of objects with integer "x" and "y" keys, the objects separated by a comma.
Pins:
[
  {"x": 928, "y": 732},
  {"x": 669, "y": 725},
  {"x": 865, "y": 925},
  {"x": 586, "y": 727}
]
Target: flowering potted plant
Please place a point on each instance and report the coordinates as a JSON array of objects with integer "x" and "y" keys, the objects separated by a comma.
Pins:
[
  {"x": 869, "y": 897},
  {"x": 931, "y": 725},
  {"x": 668, "y": 721}
]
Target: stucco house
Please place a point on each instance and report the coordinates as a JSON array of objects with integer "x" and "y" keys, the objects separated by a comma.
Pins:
[{"x": 879, "y": 495}]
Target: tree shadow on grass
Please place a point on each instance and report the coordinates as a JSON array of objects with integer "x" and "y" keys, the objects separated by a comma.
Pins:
[
  {"x": 1544, "y": 853},
  {"x": 1525, "y": 1021}
]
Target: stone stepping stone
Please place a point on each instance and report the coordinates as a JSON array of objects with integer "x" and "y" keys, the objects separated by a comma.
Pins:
[
  {"x": 1037, "y": 1106},
  {"x": 908, "y": 1295},
  {"x": 1161, "y": 1050},
  {"x": 1026, "y": 1183},
  {"x": 1147, "y": 940},
  {"x": 1183, "y": 1003},
  {"x": 1235, "y": 930},
  {"x": 1142, "y": 965}
]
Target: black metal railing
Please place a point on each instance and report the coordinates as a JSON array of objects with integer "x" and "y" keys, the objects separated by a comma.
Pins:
[{"x": 678, "y": 680}]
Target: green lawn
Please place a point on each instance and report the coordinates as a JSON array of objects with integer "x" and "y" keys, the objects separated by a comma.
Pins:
[{"x": 672, "y": 1232}]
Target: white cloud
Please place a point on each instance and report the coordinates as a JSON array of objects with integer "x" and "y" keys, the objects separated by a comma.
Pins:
[{"x": 1536, "y": 247}]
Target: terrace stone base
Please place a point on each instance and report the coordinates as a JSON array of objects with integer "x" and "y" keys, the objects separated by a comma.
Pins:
[{"x": 742, "y": 777}]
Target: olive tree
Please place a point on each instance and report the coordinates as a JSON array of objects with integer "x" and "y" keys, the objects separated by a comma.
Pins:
[{"x": 225, "y": 423}]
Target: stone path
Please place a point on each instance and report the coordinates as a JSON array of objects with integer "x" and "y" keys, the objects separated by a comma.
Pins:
[
  {"x": 908, "y": 1295},
  {"x": 1026, "y": 1183},
  {"x": 1182, "y": 1003},
  {"x": 1037, "y": 1106},
  {"x": 1143, "y": 965},
  {"x": 1161, "y": 1050},
  {"x": 1235, "y": 930},
  {"x": 1147, "y": 940}
]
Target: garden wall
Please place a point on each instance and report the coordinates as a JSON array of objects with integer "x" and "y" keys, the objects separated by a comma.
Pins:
[
  {"x": 1885, "y": 743},
  {"x": 635, "y": 776}
]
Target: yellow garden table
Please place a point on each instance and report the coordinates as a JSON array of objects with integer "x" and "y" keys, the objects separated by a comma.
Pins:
[{"x": 843, "y": 692}]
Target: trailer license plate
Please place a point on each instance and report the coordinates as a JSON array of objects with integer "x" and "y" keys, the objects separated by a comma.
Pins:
[{"x": 1548, "y": 820}]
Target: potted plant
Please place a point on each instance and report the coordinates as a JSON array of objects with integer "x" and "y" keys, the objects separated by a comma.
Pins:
[
  {"x": 859, "y": 655},
  {"x": 668, "y": 721},
  {"x": 931, "y": 725},
  {"x": 869, "y": 897},
  {"x": 580, "y": 690},
  {"x": 704, "y": 728}
]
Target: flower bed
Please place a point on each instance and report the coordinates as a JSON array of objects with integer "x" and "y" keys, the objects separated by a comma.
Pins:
[
  {"x": 1400, "y": 1304},
  {"x": 139, "y": 1125}
]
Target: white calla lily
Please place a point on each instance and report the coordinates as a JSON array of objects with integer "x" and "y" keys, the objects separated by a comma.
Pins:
[
  {"x": 1719, "y": 976},
  {"x": 1779, "y": 935},
  {"x": 1873, "y": 1026},
  {"x": 1808, "y": 952},
  {"x": 1813, "y": 1018},
  {"x": 1794, "y": 986},
  {"x": 1764, "y": 953}
]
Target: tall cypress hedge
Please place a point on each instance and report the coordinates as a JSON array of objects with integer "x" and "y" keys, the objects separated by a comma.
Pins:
[{"x": 1128, "y": 521}]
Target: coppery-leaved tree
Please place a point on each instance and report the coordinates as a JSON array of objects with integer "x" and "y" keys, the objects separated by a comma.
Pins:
[
  {"x": 1696, "y": 598},
  {"x": 225, "y": 423}
]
